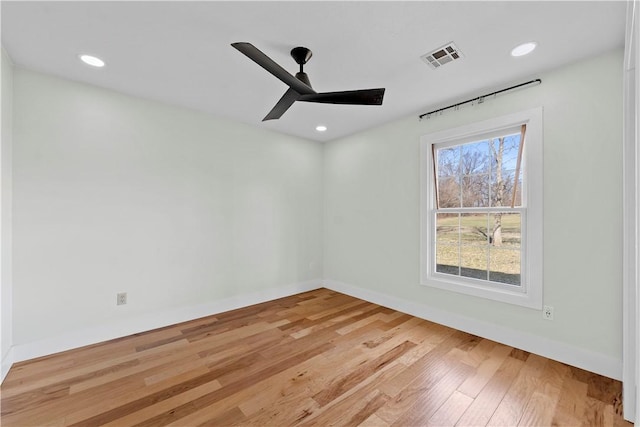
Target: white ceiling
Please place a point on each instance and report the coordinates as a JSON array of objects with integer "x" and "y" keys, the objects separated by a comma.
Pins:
[{"x": 179, "y": 52}]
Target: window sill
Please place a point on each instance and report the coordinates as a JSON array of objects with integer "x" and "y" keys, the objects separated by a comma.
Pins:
[{"x": 510, "y": 294}]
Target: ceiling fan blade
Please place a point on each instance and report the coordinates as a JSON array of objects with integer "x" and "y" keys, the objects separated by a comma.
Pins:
[
  {"x": 271, "y": 66},
  {"x": 289, "y": 97},
  {"x": 352, "y": 97}
]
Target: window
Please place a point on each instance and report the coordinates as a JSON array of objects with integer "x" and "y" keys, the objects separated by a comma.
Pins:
[{"x": 482, "y": 209}]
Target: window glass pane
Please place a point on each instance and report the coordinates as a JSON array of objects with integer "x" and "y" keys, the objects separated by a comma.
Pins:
[
  {"x": 447, "y": 229},
  {"x": 475, "y": 191},
  {"x": 475, "y": 158},
  {"x": 447, "y": 243},
  {"x": 447, "y": 259},
  {"x": 504, "y": 265},
  {"x": 448, "y": 192},
  {"x": 518, "y": 200},
  {"x": 448, "y": 170},
  {"x": 504, "y": 157},
  {"x": 484, "y": 246},
  {"x": 473, "y": 261},
  {"x": 474, "y": 171},
  {"x": 505, "y": 229},
  {"x": 473, "y": 229},
  {"x": 448, "y": 161},
  {"x": 508, "y": 183},
  {"x": 510, "y": 154}
]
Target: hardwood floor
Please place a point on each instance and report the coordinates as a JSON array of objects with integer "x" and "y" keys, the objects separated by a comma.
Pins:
[{"x": 318, "y": 358}]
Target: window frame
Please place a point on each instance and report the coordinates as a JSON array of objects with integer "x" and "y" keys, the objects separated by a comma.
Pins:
[{"x": 529, "y": 292}]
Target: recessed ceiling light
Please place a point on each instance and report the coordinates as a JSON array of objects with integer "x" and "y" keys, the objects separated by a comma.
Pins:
[
  {"x": 92, "y": 60},
  {"x": 321, "y": 128},
  {"x": 523, "y": 49}
]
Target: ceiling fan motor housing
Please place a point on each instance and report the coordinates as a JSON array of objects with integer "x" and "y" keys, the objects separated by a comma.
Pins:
[{"x": 301, "y": 55}]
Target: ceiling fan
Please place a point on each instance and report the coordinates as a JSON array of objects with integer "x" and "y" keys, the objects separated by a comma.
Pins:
[{"x": 300, "y": 86}]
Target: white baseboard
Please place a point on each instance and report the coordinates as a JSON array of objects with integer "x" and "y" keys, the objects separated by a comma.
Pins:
[
  {"x": 7, "y": 361},
  {"x": 118, "y": 329},
  {"x": 571, "y": 355},
  {"x": 575, "y": 356}
]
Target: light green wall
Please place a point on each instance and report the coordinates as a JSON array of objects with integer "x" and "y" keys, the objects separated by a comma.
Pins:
[
  {"x": 113, "y": 193},
  {"x": 371, "y": 208},
  {"x": 176, "y": 208}
]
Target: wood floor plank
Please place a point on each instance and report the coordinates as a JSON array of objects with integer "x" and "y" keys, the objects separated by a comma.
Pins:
[
  {"x": 374, "y": 421},
  {"x": 139, "y": 368},
  {"x": 485, "y": 371},
  {"x": 288, "y": 413},
  {"x": 429, "y": 365},
  {"x": 476, "y": 356},
  {"x": 571, "y": 405},
  {"x": 72, "y": 375},
  {"x": 416, "y": 392},
  {"x": 205, "y": 413},
  {"x": 541, "y": 406},
  {"x": 347, "y": 307},
  {"x": 450, "y": 412},
  {"x": 597, "y": 413},
  {"x": 317, "y": 358},
  {"x": 430, "y": 400},
  {"x": 116, "y": 396},
  {"x": 232, "y": 417},
  {"x": 165, "y": 405},
  {"x": 360, "y": 323},
  {"x": 354, "y": 397},
  {"x": 484, "y": 405},
  {"x": 510, "y": 410},
  {"x": 339, "y": 387},
  {"x": 311, "y": 376},
  {"x": 185, "y": 409},
  {"x": 434, "y": 334},
  {"x": 353, "y": 411}
]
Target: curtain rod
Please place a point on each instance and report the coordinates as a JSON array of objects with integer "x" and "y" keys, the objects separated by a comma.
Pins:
[{"x": 480, "y": 99}]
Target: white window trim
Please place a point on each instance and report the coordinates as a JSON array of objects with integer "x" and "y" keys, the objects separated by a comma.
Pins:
[{"x": 529, "y": 293}]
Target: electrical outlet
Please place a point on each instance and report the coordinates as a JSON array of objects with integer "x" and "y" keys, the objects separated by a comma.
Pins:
[
  {"x": 121, "y": 298},
  {"x": 547, "y": 312}
]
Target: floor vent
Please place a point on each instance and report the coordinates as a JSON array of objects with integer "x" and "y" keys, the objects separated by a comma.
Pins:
[{"x": 442, "y": 55}]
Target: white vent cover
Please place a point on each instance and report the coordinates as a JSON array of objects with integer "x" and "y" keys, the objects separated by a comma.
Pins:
[{"x": 442, "y": 55}]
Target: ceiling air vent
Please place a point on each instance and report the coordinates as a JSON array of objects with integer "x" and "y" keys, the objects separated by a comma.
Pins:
[{"x": 442, "y": 55}]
